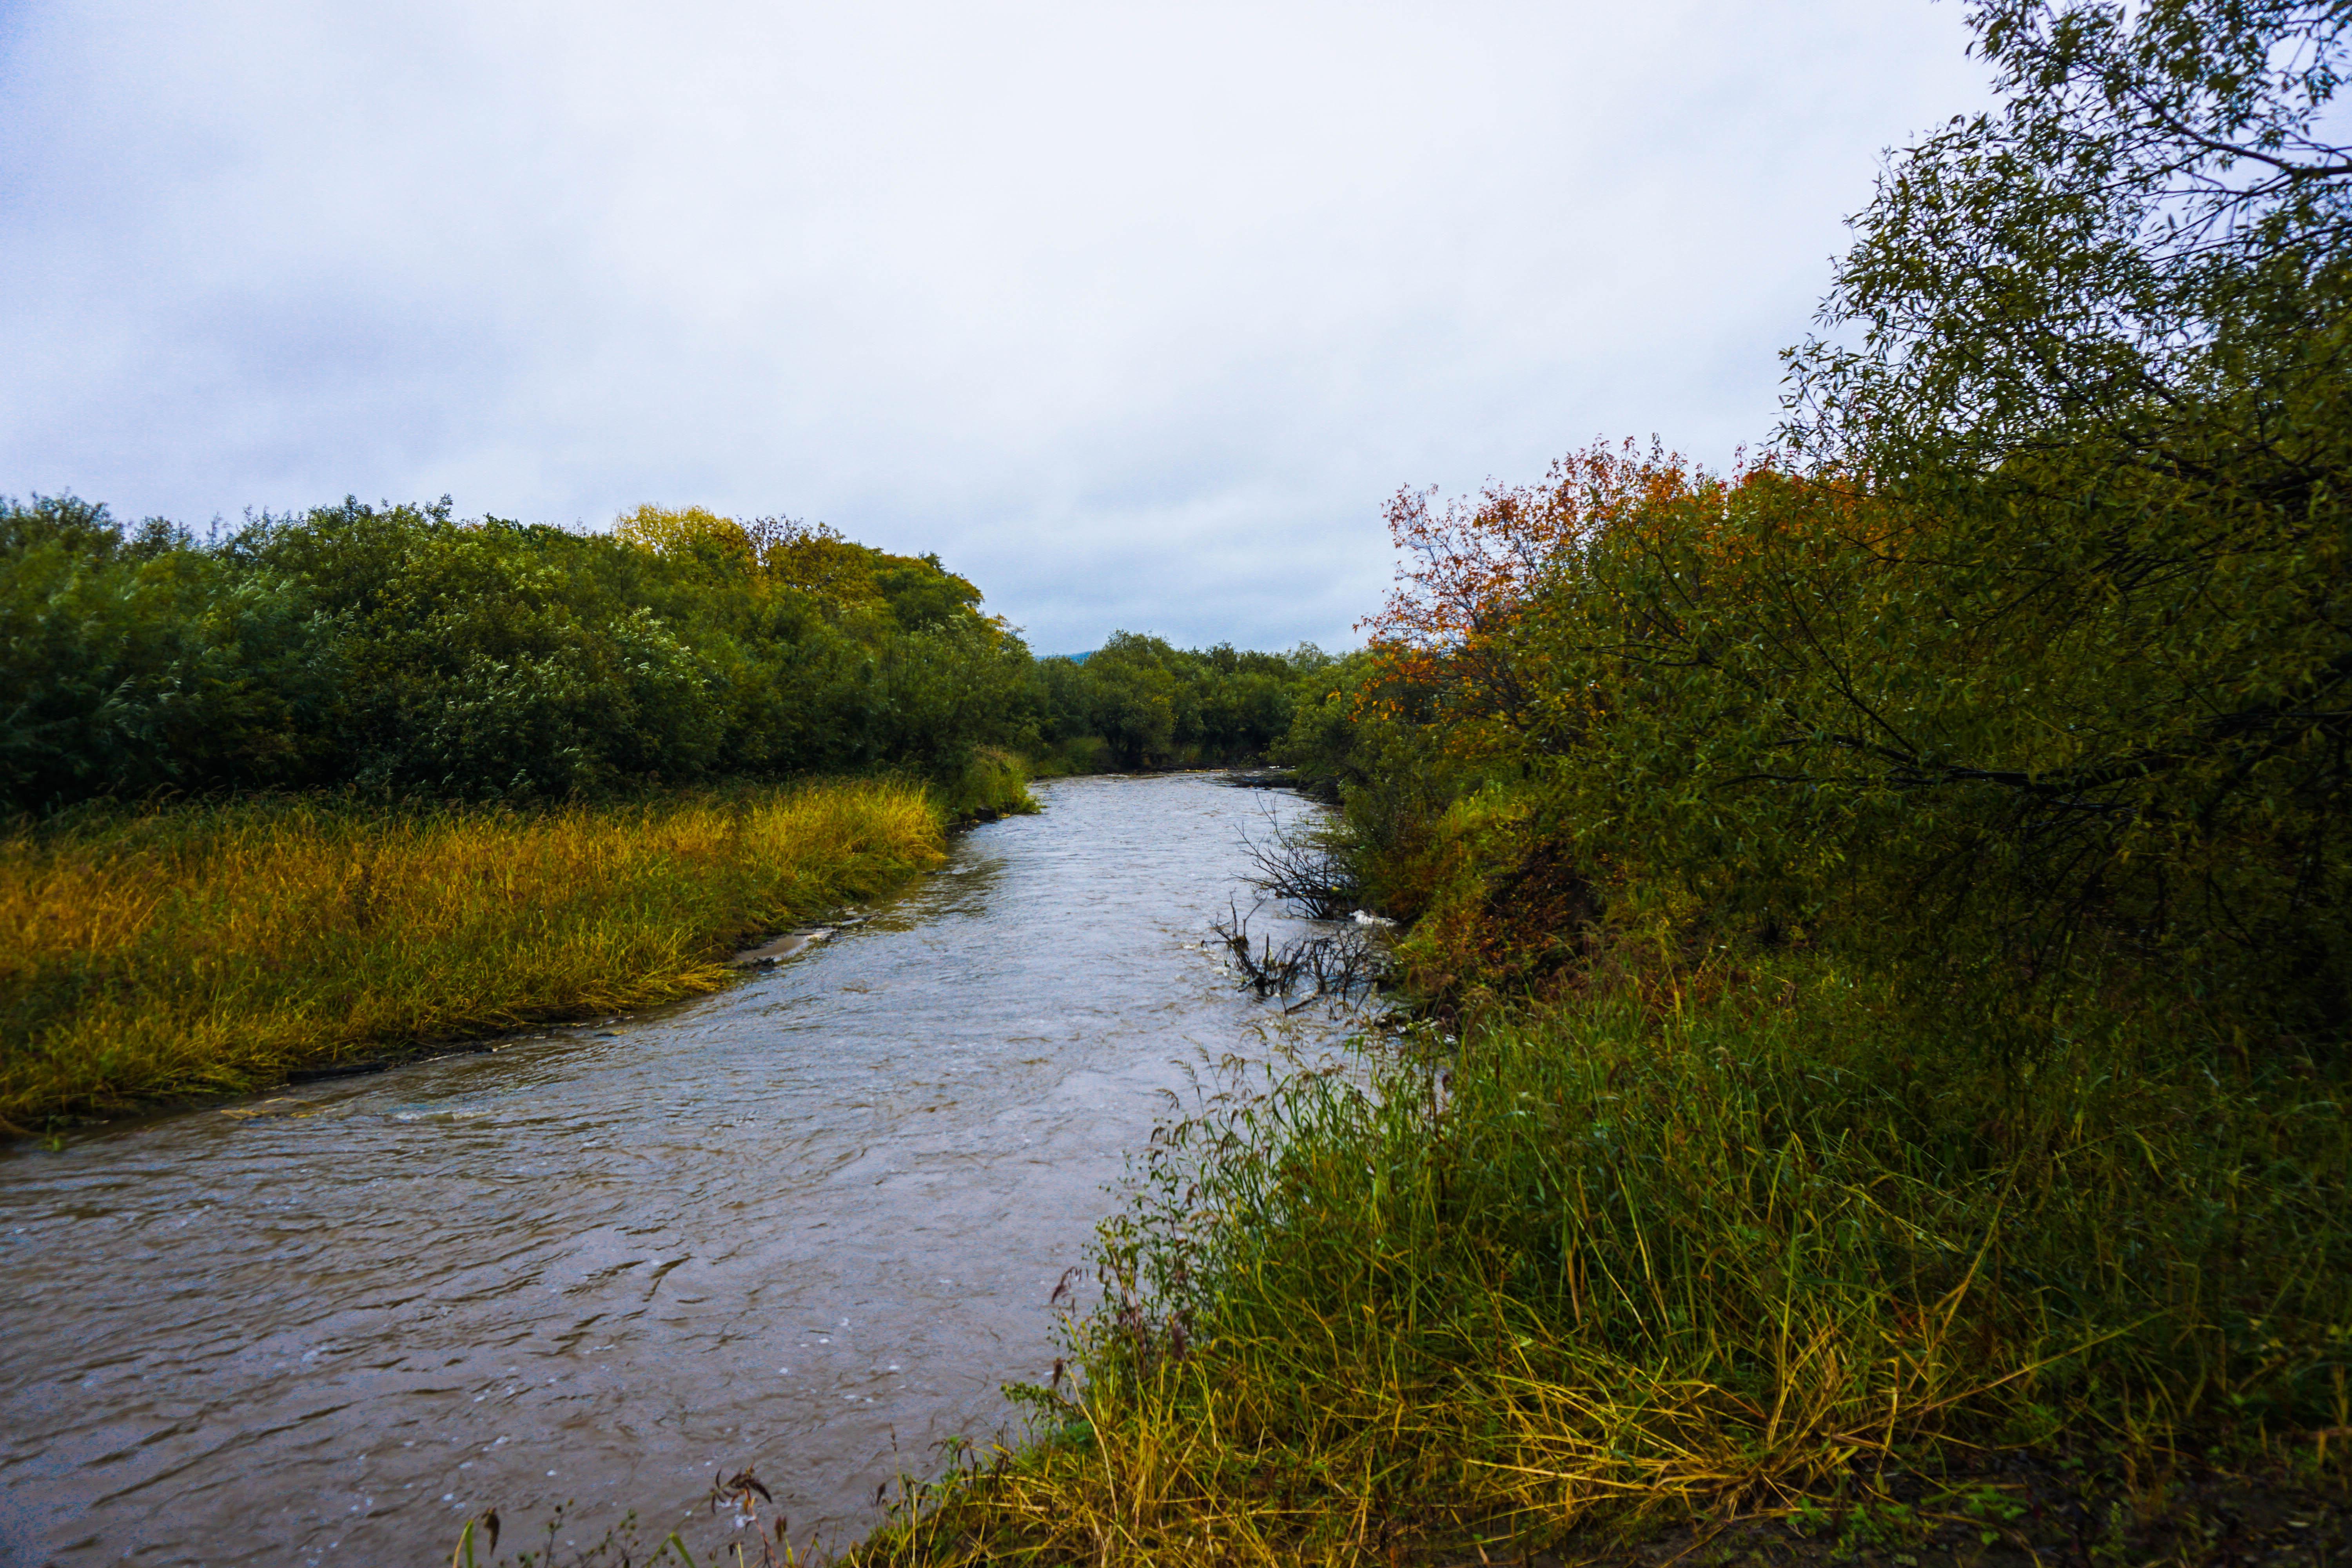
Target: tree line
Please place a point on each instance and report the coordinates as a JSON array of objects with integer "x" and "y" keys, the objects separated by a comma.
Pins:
[{"x": 402, "y": 650}]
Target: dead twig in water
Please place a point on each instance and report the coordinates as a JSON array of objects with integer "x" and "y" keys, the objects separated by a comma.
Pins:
[{"x": 1338, "y": 963}]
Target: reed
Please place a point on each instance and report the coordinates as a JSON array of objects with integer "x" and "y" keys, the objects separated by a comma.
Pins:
[
  {"x": 208, "y": 947},
  {"x": 1745, "y": 1247}
]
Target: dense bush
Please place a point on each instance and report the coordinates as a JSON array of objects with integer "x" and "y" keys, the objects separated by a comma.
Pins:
[
  {"x": 2024, "y": 667},
  {"x": 398, "y": 648}
]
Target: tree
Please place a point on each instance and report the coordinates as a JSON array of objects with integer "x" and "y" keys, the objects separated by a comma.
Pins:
[{"x": 2029, "y": 660}]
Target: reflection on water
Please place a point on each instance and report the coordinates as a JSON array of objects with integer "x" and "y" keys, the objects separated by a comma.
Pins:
[{"x": 793, "y": 1223}]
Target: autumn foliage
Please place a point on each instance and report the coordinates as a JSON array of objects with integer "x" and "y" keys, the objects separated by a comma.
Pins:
[{"x": 2073, "y": 721}]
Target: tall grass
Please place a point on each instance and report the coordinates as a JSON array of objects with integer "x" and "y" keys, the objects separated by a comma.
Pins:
[
  {"x": 208, "y": 947},
  {"x": 1633, "y": 1261}
]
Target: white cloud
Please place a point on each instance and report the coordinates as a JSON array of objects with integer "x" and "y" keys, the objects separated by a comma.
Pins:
[{"x": 1134, "y": 313}]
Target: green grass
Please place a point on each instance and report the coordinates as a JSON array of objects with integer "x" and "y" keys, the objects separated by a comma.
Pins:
[
  {"x": 207, "y": 949},
  {"x": 1614, "y": 1267}
]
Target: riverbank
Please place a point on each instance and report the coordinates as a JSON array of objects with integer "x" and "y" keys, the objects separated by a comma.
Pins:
[
  {"x": 209, "y": 949},
  {"x": 1739, "y": 1260},
  {"x": 808, "y": 1224}
]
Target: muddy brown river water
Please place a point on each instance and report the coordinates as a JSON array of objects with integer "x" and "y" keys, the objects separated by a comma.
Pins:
[{"x": 812, "y": 1222}]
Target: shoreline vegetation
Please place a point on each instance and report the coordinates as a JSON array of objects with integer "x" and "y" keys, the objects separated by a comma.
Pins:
[
  {"x": 1734, "y": 1261},
  {"x": 158, "y": 955}
]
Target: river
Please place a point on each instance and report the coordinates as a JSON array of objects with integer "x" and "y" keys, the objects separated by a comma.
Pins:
[{"x": 810, "y": 1223}]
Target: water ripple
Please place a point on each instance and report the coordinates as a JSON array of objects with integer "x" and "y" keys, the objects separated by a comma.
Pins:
[{"x": 812, "y": 1221}]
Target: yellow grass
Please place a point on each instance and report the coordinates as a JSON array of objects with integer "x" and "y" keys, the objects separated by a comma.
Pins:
[{"x": 208, "y": 948}]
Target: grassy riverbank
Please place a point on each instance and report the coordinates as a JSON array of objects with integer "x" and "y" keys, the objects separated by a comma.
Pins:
[
  {"x": 1728, "y": 1246},
  {"x": 1893, "y": 901},
  {"x": 207, "y": 949}
]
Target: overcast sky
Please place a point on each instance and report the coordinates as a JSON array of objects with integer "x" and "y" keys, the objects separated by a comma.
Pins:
[{"x": 1133, "y": 313}]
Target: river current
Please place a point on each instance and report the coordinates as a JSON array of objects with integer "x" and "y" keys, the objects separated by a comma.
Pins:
[{"x": 811, "y": 1223}]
